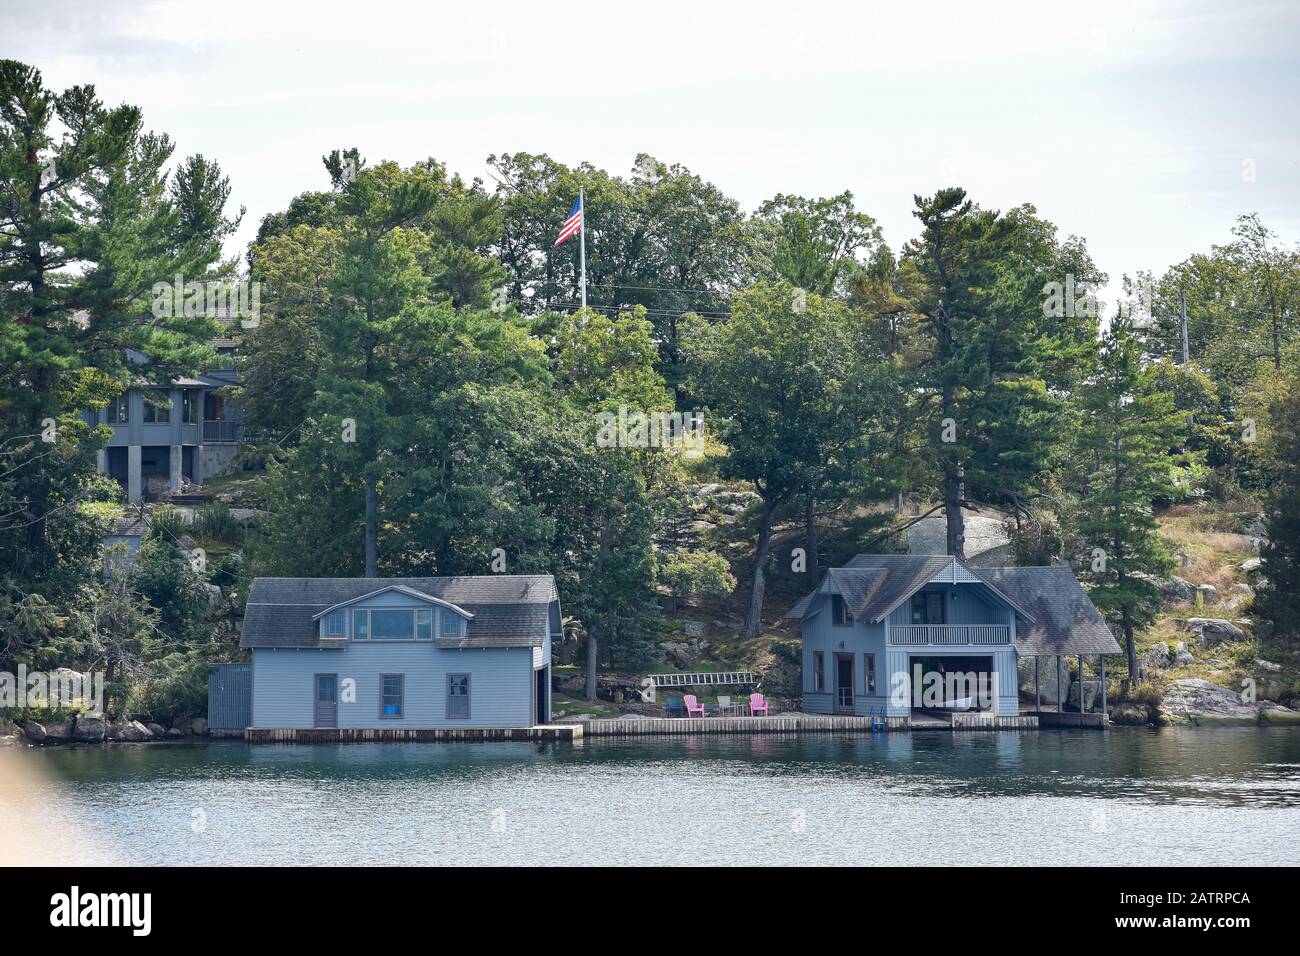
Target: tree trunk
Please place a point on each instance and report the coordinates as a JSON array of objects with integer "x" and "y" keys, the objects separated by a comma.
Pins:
[
  {"x": 1131, "y": 648},
  {"x": 810, "y": 519},
  {"x": 954, "y": 492},
  {"x": 591, "y": 663},
  {"x": 754, "y": 621},
  {"x": 372, "y": 546},
  {"x": 108, "y": 681}
]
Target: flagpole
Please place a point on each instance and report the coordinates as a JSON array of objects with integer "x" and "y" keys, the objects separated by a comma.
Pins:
[{"x": 582, "y": 246}]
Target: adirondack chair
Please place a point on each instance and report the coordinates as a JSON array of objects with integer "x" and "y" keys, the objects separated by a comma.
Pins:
[
  {"x": 693, "y": 707},
  {"x": 675, "y": 708},
  {"x": 757, "y": 705},
  {"x": 724, "y": 705}
]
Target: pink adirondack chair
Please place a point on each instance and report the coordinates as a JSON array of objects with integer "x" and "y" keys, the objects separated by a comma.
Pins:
[
  {"x": 693, "y": 707},
  {"x": 757, "y": 705}
]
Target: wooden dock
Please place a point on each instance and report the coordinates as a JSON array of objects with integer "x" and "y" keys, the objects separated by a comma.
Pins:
[
  {"x": 795, "y": 724},
  {"x": 791, "y": 724},
  {"x": 358, "y": 735}
]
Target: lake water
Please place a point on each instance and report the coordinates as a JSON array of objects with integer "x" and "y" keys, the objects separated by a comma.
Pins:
[{"x": 1131, "y": 796}]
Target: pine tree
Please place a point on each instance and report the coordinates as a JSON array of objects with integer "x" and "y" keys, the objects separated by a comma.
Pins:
[
  {"x": 1277, "y": 600},
  {"x": 1128, "y": 432}
]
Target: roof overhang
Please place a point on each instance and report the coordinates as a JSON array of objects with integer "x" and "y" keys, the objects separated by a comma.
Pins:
[
  {"x": 410, "y": 592},
  {"x": 957, "y": 572}
]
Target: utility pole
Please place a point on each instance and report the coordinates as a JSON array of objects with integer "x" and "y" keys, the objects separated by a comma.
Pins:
[{"x": 1182, "y": 308}]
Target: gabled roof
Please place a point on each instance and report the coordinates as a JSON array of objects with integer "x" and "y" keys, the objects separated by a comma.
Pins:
[
  {"x": 507, "y": 610},
  {"x": 1064, "y": 618},
  {"x": 873, "y": 585},
  {"x": 1056, "y": 615},
  {"x": 401, "y": 589}
]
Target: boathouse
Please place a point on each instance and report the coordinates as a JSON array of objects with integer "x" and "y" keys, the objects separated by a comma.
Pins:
[
  {"x": 396, "y": 654},
  {"x": 899, "y": 634}
]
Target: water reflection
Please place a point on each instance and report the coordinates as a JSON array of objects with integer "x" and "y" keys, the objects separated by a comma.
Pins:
[{"x": 1140, "y": 796}]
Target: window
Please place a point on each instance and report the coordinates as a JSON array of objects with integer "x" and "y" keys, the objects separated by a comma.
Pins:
[
  {"x": 457, "y": 696},
  {"x": 392, "y": 624},
  {"x": 819, "y": 675},
  {"x": 452, "y": 625},
  {"x": 361, "y": 625},
  {"x": 869, "y": 673},
  {"x": 332, "y": 625},
  {"x": 190, "y": 406},
  {"x": 119, "y": 410},
  {"x": 839, "y": 611},
  {"x": 927, "y": 607},
  {"x": 158, "y": 407},
  {"x": 392, "y": 687},
  {"x": 424, "y": 624}
]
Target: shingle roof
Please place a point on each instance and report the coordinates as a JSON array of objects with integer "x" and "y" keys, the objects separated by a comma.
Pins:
[
  {"x": 509, "y": 610},
  {"x": 1065, "y": 620},
  {"x": 875, "y": 584},
  {"x": 1057, "y": 616}
]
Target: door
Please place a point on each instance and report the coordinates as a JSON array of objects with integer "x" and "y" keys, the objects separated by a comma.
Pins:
[
  {"x": 327, "y": 700},
  {"x": 542, "y": 693},
  {"x": 843, "y": 683}
]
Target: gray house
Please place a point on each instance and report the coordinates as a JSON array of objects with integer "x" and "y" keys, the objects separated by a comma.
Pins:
[
  {"x": 414, "y": 653},
  {"x": 876, "y": 630},
  {"x": 166, "y": 431}
]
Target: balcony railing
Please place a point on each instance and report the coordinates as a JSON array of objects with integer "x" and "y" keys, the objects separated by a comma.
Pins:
[
  {"x": 950, "y": 634},
  {"x": 219, "y": 431}
]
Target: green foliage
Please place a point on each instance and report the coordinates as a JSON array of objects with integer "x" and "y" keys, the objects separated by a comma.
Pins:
[
  {"x": 696, "y": 572},
  {"x": 216, "y": 523},
  {"x": 1127, "y": 456},
  {"x": 1277, "y": 599}
]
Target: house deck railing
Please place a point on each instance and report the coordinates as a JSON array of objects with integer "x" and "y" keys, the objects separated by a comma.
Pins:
[
  {"x": 950, "y": 634},
  {"x": 219, "y": 431}
]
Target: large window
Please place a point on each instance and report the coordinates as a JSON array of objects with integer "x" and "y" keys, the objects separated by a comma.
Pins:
[
  {"x": 157, "y": 407},
  {"x": 819, "y": 672},
  {"x": 404, "y": 624},
  {"x": 392, "y": 689},
  {"x": 392, "y": 624}
]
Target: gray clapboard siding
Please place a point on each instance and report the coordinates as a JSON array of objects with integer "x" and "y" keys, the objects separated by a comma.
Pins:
[{"x": 501, "y": 686}]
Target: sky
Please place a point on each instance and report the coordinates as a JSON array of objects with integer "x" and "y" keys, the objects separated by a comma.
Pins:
[{"x": 1144, "y": 127}]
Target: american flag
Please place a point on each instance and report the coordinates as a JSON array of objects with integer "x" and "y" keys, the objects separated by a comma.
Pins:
[{"x": 573, "y": 224}]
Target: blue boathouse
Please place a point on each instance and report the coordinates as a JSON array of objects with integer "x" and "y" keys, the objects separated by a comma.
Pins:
[{"x": 401, "y": 653}]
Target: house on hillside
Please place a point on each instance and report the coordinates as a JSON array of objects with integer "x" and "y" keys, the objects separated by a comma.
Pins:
[
  {"x": 180, "y": 429},
  {"x": 875, "y": 630},
  {"x": 413, "y": 653}
]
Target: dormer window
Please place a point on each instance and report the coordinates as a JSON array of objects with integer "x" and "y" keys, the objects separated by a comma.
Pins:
[
  {"x": 424, "y": 624},
  {"x": 332, "y": 624}
]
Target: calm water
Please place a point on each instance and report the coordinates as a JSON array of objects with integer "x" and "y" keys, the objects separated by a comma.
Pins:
[{"x": 1127, "y": 797}]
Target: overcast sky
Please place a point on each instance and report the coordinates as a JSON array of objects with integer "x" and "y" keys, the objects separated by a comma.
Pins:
[{"x": 1144, "y": 127}]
